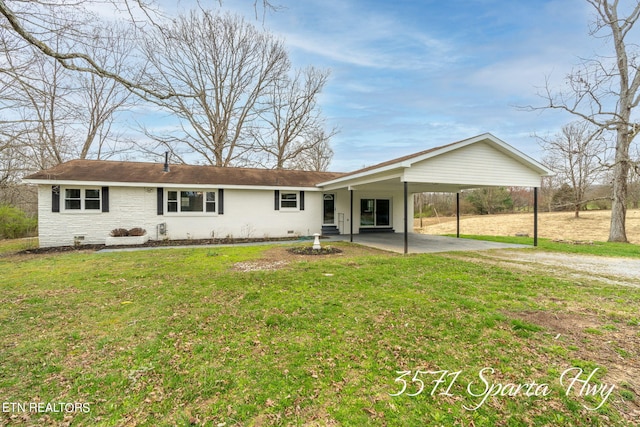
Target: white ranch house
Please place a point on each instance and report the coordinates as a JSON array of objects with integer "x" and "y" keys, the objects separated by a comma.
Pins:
[{"x": 81, "y": 201}]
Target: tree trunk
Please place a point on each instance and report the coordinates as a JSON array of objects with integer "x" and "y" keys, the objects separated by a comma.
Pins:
[{"x": 617, "y": 232}]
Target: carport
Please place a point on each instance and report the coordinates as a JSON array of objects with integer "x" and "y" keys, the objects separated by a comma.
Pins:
[{"x": 481, "y": 161}]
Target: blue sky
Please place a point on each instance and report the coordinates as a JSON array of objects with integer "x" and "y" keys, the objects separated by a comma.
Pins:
[{"x": 410, "y": 75}]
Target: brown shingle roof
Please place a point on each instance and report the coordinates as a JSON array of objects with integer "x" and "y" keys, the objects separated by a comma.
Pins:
[{"x": 139, "y": 172}]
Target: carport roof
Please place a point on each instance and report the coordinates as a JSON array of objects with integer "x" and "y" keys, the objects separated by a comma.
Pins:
[{"x": 480, "y": 161}]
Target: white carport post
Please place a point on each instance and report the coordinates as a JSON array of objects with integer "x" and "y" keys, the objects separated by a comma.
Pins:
[
  {"x": 458, "y": 215},
  {"x": 406, "y": 217},
  {"x": 535, "y": 216},
  {"x": 351, "y": 215}
]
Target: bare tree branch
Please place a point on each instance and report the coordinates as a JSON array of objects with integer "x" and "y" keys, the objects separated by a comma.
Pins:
[
  {"x": 605, "y": 92},
  {"x": 577, "y": 156},
  {"x": 231, "y": 65},
  {"x": 292, "y": 117}
]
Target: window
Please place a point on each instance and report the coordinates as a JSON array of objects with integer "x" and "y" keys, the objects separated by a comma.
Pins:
[
  {"x": 191, "y": 201},
  {"x": 72, "y": 199},
  {"x": 78, "y": 199},
  {"x": 172, "y": 201},
  {"x": 92, "y": 199},
  {"x": 288, "y": 200},
  {"x": 211, "y": 202}
]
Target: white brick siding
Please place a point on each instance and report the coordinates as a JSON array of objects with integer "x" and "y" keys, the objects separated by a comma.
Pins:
[{"x": 247, "y": 213}]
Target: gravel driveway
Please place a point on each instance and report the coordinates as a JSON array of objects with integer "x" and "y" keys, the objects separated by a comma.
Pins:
[{"x": 620, "y": 271}]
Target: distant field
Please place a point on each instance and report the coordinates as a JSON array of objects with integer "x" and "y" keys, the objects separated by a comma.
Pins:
[{"x": 592, "y": 225}]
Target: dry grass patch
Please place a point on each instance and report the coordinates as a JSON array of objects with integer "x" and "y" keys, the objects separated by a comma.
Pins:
[{"x": 592, "y": 225}]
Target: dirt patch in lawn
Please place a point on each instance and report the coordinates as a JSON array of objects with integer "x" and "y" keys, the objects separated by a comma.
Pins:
[
  {"x": 279, "y": 257},
  {"x": 614, "y": 346}
]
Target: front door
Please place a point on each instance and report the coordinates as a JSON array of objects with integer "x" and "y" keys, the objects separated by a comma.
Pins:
[
  {"x": 375, "y": 212},
  {"x": 328, "y": 209}
]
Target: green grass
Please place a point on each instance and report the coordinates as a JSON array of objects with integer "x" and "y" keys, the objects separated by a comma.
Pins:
[
  {"x": 178, "y": 337},
  {"x": 597, "y": 248},
  {"x": 10, "y": 246}
]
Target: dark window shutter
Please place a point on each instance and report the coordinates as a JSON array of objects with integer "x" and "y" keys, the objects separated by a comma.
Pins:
[
  {"x": 276, "y": 204},
  {"x": 55, "y": 198},
  {"x": 105, "y": 199},
  {"x": 220, "y": 201},
  {"x": 160, "y": 201},
  {"x": 302, "y": 200}
]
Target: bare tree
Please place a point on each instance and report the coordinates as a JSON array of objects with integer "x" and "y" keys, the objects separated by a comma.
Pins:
[
  {"x": 31, "y": 21},
  {"x": 577, "y": 155},
  {"x": 101, "y": 98},
  {"x": 39, "y": 99},
  {"x": 53, "y": 114},
  {"x": 490, "y": 200},
  {"x": 292, "y": 118},
  {"x": 548, "y": 188},
  {"x": 522, "y": 198},
  {"x": 318, "y": 156},
  {"x": 606, "y": 91},
  {"x": 634, "y": 180},
  {"x": 230, "y": 65}
]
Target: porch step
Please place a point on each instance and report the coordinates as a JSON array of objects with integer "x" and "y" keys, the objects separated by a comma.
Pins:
[
  {"x": 377, "y": 230},
  {"x": 330, "y": 230}
]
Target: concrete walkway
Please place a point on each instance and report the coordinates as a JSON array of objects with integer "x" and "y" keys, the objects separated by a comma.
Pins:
[
  {"x": 393, "y": 242},
  {"x": 424, "y": 243}
]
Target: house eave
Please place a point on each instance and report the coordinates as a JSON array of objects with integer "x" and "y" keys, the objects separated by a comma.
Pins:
[
  {"x": 350, "y": 178},
  {"x": 164, "y": 185}
]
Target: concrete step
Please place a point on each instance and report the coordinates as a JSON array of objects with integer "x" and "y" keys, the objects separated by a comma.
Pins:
[
  {"x": 377, "y": 230},
  {"x": 330, "y": 230}
]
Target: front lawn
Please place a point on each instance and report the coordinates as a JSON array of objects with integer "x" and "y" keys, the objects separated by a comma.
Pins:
[{"x": 258, "y": 336}]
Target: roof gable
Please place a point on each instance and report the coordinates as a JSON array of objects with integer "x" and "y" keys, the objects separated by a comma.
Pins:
[
  {"x": 477, "y": 165},
  {"x": 397, "y": 166}
]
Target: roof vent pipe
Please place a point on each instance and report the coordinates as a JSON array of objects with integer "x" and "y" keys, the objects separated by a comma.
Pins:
[{"x": 166, "y": 161}]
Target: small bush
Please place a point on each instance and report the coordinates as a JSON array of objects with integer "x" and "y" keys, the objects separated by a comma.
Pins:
[
  {"x": 119, "y": 232},
  {"x": 137, "y": 231},
  {"x": 14, "y": 223}
]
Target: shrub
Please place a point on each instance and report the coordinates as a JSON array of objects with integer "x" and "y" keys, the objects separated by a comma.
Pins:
[
  {"x": 490, "y": 200},
  {"x": 137, "y": 231},
  {"x": 14, "y": 223},
  {"x": 123, "y": 232},
  {"x": 119, "y": 232}
]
